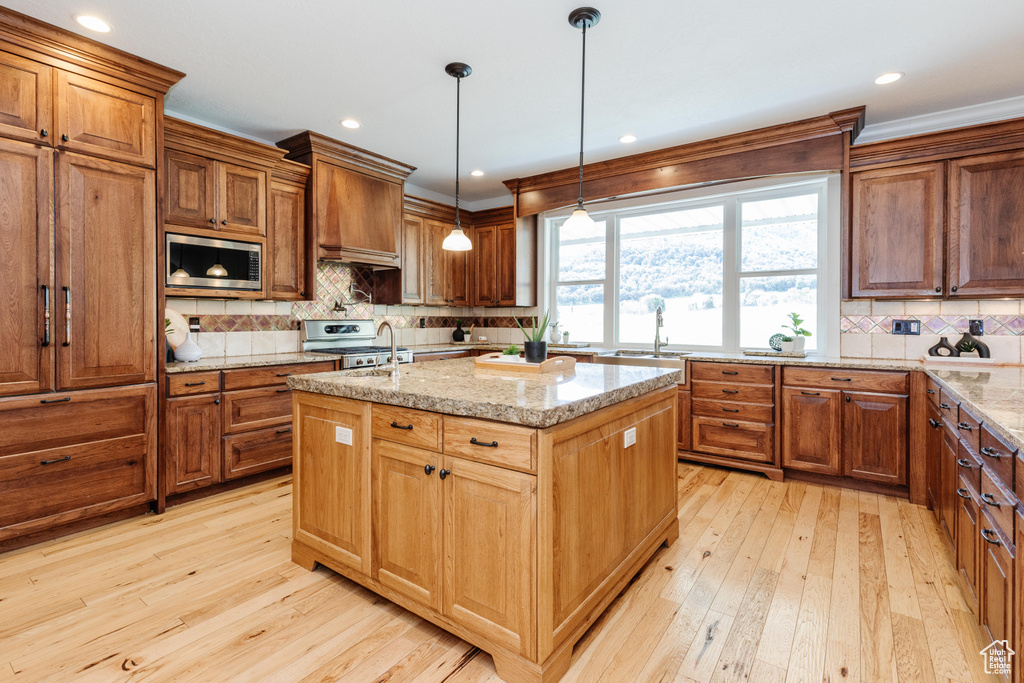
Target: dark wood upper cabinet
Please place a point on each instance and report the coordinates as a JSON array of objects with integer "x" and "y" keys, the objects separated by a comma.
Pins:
[
  {"x": 26, "y": 284},
  {"x": 103, "y": 120},
  {"x": 26, "y": 105},
  {"x": 875, "y": 437},
  {"x": 897, "y": 233},
  {"x": 811, "y": 420},
  {"x": 506, "y": 265},
  {"x": 242, "y": 199},
  {"x": 485, "y": 263},
  {"x": 986, "y": 225},
  {"x": 457, "y": 283},
  {"x": 504, "y": 271},
  {"x": 104, "y": 315},
  {"x": 413, "y": 251},
  {"x": 191, "y": 193},
  {"x": 287, "y": 270}
]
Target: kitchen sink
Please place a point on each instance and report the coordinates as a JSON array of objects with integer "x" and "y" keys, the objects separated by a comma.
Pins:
[
  {"x": 639, "y": 353},
  {"x": 663, "y": 359},
  {"x": 370, "y": 372}
]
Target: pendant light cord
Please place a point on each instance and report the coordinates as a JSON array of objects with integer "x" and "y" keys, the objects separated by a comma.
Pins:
[
  {"x": 458, "y": 108},
  {"x": 583, "y": 86}
]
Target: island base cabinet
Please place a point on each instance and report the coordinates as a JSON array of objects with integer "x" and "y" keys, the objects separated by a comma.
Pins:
[{"x": 995, "y": 600}]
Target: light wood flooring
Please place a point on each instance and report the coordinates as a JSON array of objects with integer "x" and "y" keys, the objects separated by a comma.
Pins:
[{"x": 767, "y": 582}]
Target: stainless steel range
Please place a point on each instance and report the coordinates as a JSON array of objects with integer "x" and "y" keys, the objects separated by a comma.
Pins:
[{"x": 348, "y": 338}]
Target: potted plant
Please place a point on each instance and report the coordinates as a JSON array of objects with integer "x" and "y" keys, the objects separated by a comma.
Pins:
[
  {"x": 512, "y": 350},
  {"x": 796, "y": 334},
  {"x": 554, "y": 332},
  {"x": 565, "y": 337},
  {"x": 786, "y": 344},
  {"x": 535, "y": 346}
]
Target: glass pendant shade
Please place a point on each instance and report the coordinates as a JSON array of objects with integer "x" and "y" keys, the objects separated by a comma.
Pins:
[
  {"x": 217, "y": 270},
  {"x": 457, "y": 241},
  {"x": 180, "y": 272},
  {"x": 579, "y": 220}
]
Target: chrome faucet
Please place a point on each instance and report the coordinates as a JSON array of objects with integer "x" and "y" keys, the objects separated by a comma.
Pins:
[
  {"x": 658, "y": 324},
  {"x": 393, "y": 358},
  {"x": 355, "y": 290}
]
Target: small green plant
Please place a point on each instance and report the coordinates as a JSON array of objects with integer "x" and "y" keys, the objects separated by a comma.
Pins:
[
  {"x": 536, "y": 334},
  {"x": 786, "y": 339},
  {"x": 967, "y": 346},
  {"x": 512, "y": 350},
  {"x": 795, "y": 321},
  {"x": 167, "y": 325},
  {"x": 458, "y": 322}
]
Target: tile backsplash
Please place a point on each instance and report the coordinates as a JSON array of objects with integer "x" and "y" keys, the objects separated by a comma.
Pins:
[
  {"x": 232, "y": 327},
  {"x": 866, "y": 327}
]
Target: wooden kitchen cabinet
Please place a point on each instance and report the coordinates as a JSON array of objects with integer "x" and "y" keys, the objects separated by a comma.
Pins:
[
  {"x": 875, "y": 437},
  {"x": 26, "y": 100},
  {"x": 485, "y": 263},
  {"x": 192, "y": 452},
  {"x": 503, "y": 264},
  {"x": 897, "y": 231},
  {"x": 290, "y": 269},
  {"x": 950, "y": 476},
  {"x": 242, "y": 199},
  {"x": 458, "y": 283},
  {"x": 986, "y": 212},
  {"x": 933, "y": 456},
  {"x": 414, "y": 274},
  {"x": 104, "y": 316},
  {"x": 811, "y": 430},
  {"x": 257, "y": 451},
  {"x": 435, "y": 269},
  {"x": 202, "y": 192},
  {"x": 683, "y": 432},
  {"x": 995, "y": 600},
  {"x": 26, "y": 284},
  {"x": 967, "y": 539}
]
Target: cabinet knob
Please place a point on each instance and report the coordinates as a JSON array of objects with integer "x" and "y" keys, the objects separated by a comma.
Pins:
[
  {"x": 224, "y": 222},
  {"x": 302, "y": 294},
  {"x": 938, "y": 290},
  {"x": 213, "y": 220},
  {"x": 45, "y": 133},
  {"x": 444, "y": 473},
  {"x": 953, "y": 288},
  {"x": 65, "y": 137},
  {"x": 216, "y": 401},
  {"x": 428, "y": 469},
  {"x": 847, "y": 399}
]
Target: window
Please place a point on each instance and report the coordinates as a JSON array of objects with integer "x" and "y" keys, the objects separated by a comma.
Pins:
[{"x": 726, "y": 269}]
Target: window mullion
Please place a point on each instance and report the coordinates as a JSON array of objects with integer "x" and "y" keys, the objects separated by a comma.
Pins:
[
  {"x": 730, "y": 277},
  {"x": 611, "y": 290}
]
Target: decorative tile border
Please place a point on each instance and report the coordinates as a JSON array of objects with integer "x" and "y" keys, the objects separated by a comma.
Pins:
[{"x": 995, "y": 325}]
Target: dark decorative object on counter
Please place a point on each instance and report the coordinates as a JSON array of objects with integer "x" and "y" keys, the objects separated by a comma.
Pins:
[
  {"x": 536, "y": 351},
  {"x": 775, "y": 341},
  {"x": 943, "y": 349},
  {"x": 969, "y": 343},
  {"x": 168, "y": 351},
  {"x": 458, "y": 334}
]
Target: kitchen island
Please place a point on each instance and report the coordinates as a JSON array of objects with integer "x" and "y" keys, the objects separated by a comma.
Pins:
[{"x": 509, "y": 509}]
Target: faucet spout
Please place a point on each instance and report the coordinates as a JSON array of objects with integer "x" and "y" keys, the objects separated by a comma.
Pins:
[
  {"x": 659, "y": 322},
  {"x": 393, "y": 359}
]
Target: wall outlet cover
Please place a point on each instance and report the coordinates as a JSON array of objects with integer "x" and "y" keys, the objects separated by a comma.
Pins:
[
  {"x": 629, "y": 437},
  {"x": 343, "y": 435},
  {"x": 906, "y": 326},
  {"x": 977, "y": 327},
  {"x": 423, "y": 322}
]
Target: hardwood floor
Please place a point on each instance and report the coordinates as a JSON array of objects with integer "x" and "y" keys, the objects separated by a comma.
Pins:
[{"x": 768, "y": 582}]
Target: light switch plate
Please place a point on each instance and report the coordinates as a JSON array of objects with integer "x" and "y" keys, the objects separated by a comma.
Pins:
[
  {"x": 343, "y": 435},
  {"x": 629, "y": 438}
]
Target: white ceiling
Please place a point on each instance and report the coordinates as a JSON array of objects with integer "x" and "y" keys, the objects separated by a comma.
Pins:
[{"x": 667, "y": 71}]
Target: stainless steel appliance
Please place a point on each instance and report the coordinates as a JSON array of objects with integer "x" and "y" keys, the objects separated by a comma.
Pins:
[
  {"x": 348, "y": 338},
  {"x": 213, "y": 263}
]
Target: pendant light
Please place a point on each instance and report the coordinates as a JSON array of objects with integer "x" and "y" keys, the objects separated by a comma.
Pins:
[
  {"x": 217, "y": 270},
  {"x": 180, "y": 272},
  {"x": 582, "y": 18},
  {"x": 457, "y": 239}
]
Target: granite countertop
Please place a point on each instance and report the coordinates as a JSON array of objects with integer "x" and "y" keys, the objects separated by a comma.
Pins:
[
  {"x": 553, "y": 350},
  {"x": 458, "y": 387},
  {"x": 252, "y": 361},
  {"x": 994, "y": 395}
]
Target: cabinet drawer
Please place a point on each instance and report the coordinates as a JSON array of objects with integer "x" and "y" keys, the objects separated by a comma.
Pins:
[
  {"x": 744, "y": 373},
  {"x": 749, "y": 412},
  {"x": 74, "y": 481},
  {"x": 997, "y": 457},
  {"x": 742, "y": 393},
  {"x": 1000, "y": 503},
  {"x": 247, "y": 378},
  {"x": 49, "y": 421},
  {"x": 189, "y": 383},
  {"x": 257, "y": 451},
  {"x": 968, "y": 466},
  {"x": 837, "y": 378},
  {"x": 440, "y": 355},
  {"x": 933, "y": 392},
  {"x": 969, "y": 429},
  {"x": 416, "y": 428},
  {"x": 492, "y": 442},
  {"x": 243, "y": 411},
  {"x": 744, "y": 440},
  {"x": 949, "y": 407}
]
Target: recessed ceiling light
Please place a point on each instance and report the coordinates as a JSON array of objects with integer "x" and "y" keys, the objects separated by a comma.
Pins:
[
  {"x": 93, "y": 23},
  {"x": 350, "y": 123},
  {"x": 627, "y": 138},
  {"x": 890, "y": 77},
  {"x": 477, "y": 173}
]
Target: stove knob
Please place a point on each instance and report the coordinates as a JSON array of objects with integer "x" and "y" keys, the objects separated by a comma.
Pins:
[
  {"x": 359, "y": 362},
  {"x": 389, "y": 359}
]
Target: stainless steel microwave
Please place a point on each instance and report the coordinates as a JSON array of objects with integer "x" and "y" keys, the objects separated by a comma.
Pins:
[{"x": 201, "y": 262}]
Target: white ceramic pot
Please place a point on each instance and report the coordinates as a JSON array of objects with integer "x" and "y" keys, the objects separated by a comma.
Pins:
[
  {"x": 565, "y": 338},
  {"x": 188, "y": 350},
  {"x": 554, "y": 334},
  {"x": 798, "y": 343},
  {"x": 787, "y": 346}
]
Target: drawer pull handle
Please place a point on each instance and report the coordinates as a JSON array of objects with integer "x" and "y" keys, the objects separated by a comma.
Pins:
[
  {"x": 194, "y": 384},
  {"x": 281, "y": 391},
  {"x": 989, "y": 499},
  {"x": 987, "y": 534},
  {"x": 730, "y": 391},
  {"x": 284, "y": 431},
  {"x": 933, "y": 423},
  {"x": 963, "y": 463},
  {"x": 284, "y": 374},
  {"x": 944, "y": 406},
  {"x": 990, "y": 452},
  {"x": 930, "y": 391},
  {"x": 475, "y": 442},
  {"x": 811, "y": 393},
  {"x": 729, "y": 424},
  {"x": 841, "y": 379},
  {"x": 428, "y": 469},
  {"x": 729, "y": 372},
  {"x": 731, "y": 410},
  {"x": 50, "y": 462},
  {"x": 395, "y": 425},
  {"x": 46, "y": 315},
  {"x": 963, "y": 494},
  {"x": 964, "y": 426},
  {"x": 56, "y": 400},
  {"x": 444, "y": 473}
]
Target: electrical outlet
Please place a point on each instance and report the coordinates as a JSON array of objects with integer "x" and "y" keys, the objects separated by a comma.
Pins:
[
  {"x": 977, "y": 327},
  {"x": 906, "y": 327},
  {"x": 423, "y": 322},
  {"x": 629, "y": 437},
  {"x": 193, "y": 323},
  {"x": 343, "y": 435}
]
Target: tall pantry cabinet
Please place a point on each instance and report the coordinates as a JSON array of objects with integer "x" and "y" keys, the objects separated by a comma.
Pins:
[{"x": 80, "y": 130}]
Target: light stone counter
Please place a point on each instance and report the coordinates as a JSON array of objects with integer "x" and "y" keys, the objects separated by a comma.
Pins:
[
  {"x": 994, "y": 395},
  {"x": 457, "y": 387},
  {"x": 253, "y": 361}
]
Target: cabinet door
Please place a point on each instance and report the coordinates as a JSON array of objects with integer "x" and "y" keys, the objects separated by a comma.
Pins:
[
  {"x": 357, "y": 213},
  {"x": 407, "y": 496},
  {"x": 967, "y": 540},
  {"x": 875, "y": 437},
  {"x": 26, "y": 111},
  {"x": 986, "y": 212},
  {"x": 485, "y": 291},
  {"x": 505, "y": 268},
  {"x": 996, "y": 597},
  {"x": 106, "y": 222},
  {"x": 433, "y": 265},
  {"x": 1018, "y": 594},
  {"x": 949, "y": 484},
  {"x": 192, "y": 445},
  {"x": 457, "y": 271},
  {"x": 191, "y": 193},
  {"x": 26, "y": 283},
  {"x": 811, "y": 429},
  {"x": 414, "y": 259},
  {"x": 242, "y": 199},
  {"x": 332, "y": 479},
  {"x": 489, "y": 550},
  {"x": 287, "y": 272},
  {"x": 897, "y": 231},
  {"x": 685, "y": 408},
  {"x": 103, "y": 120},
  {"x": 933, "y": 457}
]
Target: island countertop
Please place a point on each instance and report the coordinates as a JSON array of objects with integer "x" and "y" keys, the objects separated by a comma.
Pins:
[{"x": 458, "y": 387}]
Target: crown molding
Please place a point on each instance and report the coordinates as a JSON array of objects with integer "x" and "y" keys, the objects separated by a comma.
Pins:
[
  {"x": 307, "y": 143},
  {"x": 945, "y": 144},
  {"x": 289, "y": 171},
  {"x": 972, "y": 115},
  {"x": 189, "y": 137}
]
